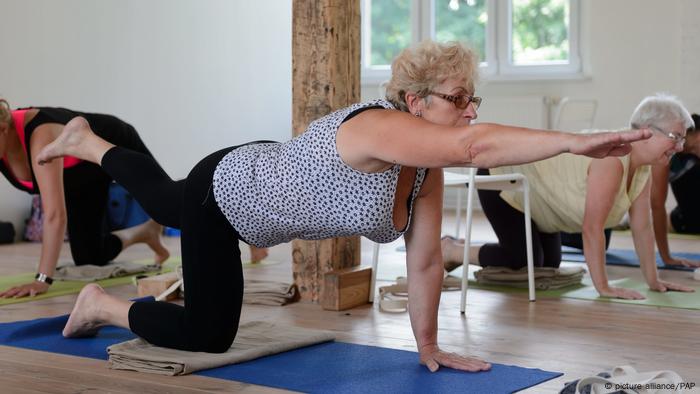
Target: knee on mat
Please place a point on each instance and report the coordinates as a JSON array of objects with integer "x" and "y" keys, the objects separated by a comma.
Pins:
[
  {"x": 89, "y": 257},
  {"x": 214, "y": 342}
]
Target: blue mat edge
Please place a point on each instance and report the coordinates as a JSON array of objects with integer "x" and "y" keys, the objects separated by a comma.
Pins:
[{"x": 543, "y": 376}]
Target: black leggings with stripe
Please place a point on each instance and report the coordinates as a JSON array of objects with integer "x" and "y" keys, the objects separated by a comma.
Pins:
[{"x": 211, "y": 259}]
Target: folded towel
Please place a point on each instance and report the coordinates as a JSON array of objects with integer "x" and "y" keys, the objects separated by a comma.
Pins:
[
  {"x": 91, "y": 273},
  {"x": 262, "y": 292},
  {"x": 268, "y": 293},
  {"x": 546, "y": 278},
  {"x": 254, "y": 340}
]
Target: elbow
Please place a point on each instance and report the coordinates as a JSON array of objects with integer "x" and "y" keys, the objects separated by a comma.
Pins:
[
  {"x": 658, "y": 206},
  {"x": 55, "y": 218},
  {"x": 590, "y": 231},
  {"x": 471, "y": 147}
]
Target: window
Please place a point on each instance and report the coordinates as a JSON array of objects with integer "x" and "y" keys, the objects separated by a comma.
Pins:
[{"x": 515, "y": 39}]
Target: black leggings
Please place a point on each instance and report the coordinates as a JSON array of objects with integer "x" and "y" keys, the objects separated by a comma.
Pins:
[
  {"x": 211, "y": 259},
  {"x": 509, "y": 225},
  {"x": 86, "y": 190},
  {"x": 685, "y": 218}
]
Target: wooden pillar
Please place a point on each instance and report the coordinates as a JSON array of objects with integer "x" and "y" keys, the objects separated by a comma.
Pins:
[{"x": 325, "y": 77}]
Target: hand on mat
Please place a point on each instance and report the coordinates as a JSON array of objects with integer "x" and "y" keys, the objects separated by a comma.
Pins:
[
  {"x": 682, "y": 262},
  {"x": 432, "y": 357},
  {"x": 29, "y": 289},
  {"x": 621, "y": 292},
  {"x": 600, "y": 145},
  {"x": 663, "y": 286}
]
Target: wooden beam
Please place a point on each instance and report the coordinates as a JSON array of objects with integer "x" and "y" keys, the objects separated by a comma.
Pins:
[{"x": 325, "y": 77}]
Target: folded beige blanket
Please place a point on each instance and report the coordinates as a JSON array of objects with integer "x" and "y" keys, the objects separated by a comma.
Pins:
[
  {"x": 263, "y": 292},
  {"x": 268, "y": 293},
  {"x": 546, "y": 278},
  {"x": 254, "y": 340},
  {"x": 91, "y": 273}
]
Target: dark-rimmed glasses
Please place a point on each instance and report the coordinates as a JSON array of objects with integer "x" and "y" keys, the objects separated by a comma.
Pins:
[{"x": 461, "y": 101}]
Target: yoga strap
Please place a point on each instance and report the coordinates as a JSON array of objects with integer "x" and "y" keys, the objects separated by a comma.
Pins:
[{"x": 626, "y": 376}]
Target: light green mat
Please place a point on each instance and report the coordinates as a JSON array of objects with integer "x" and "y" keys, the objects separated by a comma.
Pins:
[
  {"x": 586, "y": 291},
  {"x": 670, "y": 235},
  {"x": 669, "y": 299},
  {"x": 63, "y": 287}
]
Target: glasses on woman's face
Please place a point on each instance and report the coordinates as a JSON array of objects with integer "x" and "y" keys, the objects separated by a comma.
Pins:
[
  {"x": 461, "y": 101},
  {"x": 677, "y": 138}
]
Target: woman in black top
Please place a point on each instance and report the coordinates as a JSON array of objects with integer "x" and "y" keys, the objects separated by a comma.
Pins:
[
  {"x": 683, "y": 175},
  {"x": 74, "y": 192}
]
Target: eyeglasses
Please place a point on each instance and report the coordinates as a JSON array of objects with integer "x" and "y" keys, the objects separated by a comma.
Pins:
[
  {"x": 677, "y": 138},
  {"x": 461, "y": 101}
]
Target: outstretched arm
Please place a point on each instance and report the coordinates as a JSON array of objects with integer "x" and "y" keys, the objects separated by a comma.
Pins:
[
  {"x": 425, "y": 275},
  {"x": 396, "y": 137},
  {"x": 659, "y": 192},
  {"x": 50, "y": 180},
  {"x": 643, "y": 237},
  {"x": 602, "y": 185}
]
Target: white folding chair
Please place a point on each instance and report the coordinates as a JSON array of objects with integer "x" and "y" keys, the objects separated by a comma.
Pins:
[
  {"x": 486, "y": 182},
  {"x": 492, "y": 182}
]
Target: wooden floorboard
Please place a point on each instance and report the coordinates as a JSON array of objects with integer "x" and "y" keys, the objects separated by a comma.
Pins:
[{"x": 576, "y": 337}]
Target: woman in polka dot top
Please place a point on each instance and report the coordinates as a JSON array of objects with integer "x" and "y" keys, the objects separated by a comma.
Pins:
[{"x": 372, "y": 169}]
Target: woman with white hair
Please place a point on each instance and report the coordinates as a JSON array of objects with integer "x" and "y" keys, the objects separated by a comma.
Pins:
[
  {"x": 577, "y": 194},
  {"x": 371, "y": 169}
]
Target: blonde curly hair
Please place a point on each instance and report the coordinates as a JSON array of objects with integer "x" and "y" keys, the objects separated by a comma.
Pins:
[
  {"x": 5, "y": 112},
  {"x": 418, "y": 70}
]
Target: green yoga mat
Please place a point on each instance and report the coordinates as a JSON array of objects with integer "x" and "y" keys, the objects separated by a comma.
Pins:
[
  {"x": 63, "y": 287},
  {"x": 586, "y": 291},
  {"x": 669, "y": 299}
]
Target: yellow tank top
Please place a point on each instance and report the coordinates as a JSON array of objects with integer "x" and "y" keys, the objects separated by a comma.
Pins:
[{"x": 558, "y": 191}]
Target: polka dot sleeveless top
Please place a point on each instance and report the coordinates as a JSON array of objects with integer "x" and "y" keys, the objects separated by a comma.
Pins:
[{"x": 301, "y": 189}]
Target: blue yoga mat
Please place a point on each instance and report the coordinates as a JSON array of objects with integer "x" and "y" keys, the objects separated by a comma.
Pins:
[
  {"x": 616, "y": 257},
  {"x": 625, "y": 257},
  {"x": 329, "y": 367}
]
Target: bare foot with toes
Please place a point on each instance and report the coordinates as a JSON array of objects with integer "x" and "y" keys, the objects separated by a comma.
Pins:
[
  {"x": 68, "y": 142},
  {"x": 83, "y": 320},
  {"x": 148, "y": 233},
  {"x": 153, "y": 238}
]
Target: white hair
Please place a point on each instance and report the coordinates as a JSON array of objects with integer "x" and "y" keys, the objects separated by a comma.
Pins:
[{"x": 662, "y": 111}]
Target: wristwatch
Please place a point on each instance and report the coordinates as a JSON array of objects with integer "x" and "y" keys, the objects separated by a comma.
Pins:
[{"x": 43, "y": 278}]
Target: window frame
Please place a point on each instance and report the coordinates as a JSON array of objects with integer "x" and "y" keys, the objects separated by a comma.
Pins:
[{"x": 498, "y": 46}]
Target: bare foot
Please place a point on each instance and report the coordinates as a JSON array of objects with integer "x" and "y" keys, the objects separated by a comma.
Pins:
[
  {"x": 148, "y": 233},
  {"x": 257, "y": 254},
  {"x": 452, "y": 253},
  {"x": 68, "y": 142},
  {"x": 83, "y": 320},
  {"x": 152, "y": 238}
]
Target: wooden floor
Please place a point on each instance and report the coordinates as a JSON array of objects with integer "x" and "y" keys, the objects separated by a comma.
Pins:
[{"x": 577, "y": 337}]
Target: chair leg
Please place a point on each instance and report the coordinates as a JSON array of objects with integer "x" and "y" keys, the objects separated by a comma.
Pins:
[
  {"x": 528, "y": 240},
  {"x": 467, "y": 244},
  {"x": 458, "y": 222},
  {"x": 375, "y": 263}
]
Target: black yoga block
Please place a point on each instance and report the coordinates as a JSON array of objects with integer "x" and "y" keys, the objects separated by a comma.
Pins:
[{"x": 7, "y": 233}]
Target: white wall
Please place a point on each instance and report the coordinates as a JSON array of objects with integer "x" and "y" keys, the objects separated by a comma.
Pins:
[
  {"x": 191, "y": 76},
  {"x": 194, "y": 76}
]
